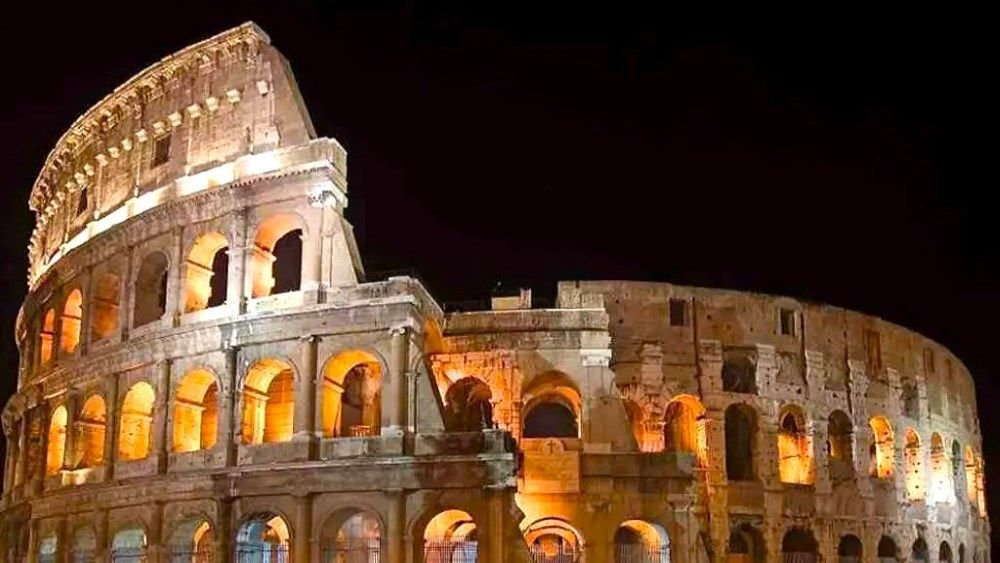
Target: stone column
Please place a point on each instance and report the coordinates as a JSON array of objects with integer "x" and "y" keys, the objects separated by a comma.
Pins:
[
  {"x": 69, "y": 454},
  {"x": 303, "y": 529},
  {"x": 396, "y": 525},
  {"x": 111, "y": 429},
  {"x": 22, "y": 449},
  {"x": 312, "y": 258},
  {"x": 9, "y": 463},
  {"x": 33, "y": 541},
  {"x": 174, "y": 305},
  {"x": 86, "y": 313},
  {"x": 494, "y": 543},
  {"x": 102, "y": 543},
  {"x": 224, "y": 529},
  {"x": 396, "y": 383},
  {"x": 38, "y": 472},
  {"x": 238, "y": 281},
  {"x": 227, "y": 429},
  {"x": 305, "y": 395},
  {"x": 161, "y": 416},
  {"x": 63, "y": 541},
  {"x": 156, "y": 543},
  {"x": 125, "y": 299}
]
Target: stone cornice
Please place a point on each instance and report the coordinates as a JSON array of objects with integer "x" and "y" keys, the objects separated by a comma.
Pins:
[{"x": 131, "y": 96}]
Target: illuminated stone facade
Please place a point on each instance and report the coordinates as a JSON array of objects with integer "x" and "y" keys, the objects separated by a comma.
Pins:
[{"x": 207, "y": 375}]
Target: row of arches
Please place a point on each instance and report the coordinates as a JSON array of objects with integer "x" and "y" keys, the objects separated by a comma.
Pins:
[
  {"x": 351, "y": 406},
  {"x": 274, "y": 262}
]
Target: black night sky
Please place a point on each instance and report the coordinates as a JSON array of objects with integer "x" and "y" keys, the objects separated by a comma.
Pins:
[{"x": 841, "y": 157}]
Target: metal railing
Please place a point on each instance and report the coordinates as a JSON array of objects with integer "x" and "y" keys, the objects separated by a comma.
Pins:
[
  {"x": 450, "y": 551},
  {"x": 360, "y": 550},
  {"x": 261, "y": 553},
  {"x": 188, "y": 554},
  {"x": 558, "y": 554},
  {"x": 129, "y": 555},
  {"x": 641, "y": 553},
  {"x": 82, "y": 556}
]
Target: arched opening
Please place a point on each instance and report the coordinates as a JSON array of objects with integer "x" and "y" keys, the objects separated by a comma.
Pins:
[
  {"x": 849, "y": 550},
  {"x": 682, "y": 431},
  {"x": 886, "y": 550},
  {"x": 552, "y": 540},
  {"x": 196, "y": 412},
  {"x": 276, "y": 260},
  {"x": 451, "y": 536},
  {"x": 794, "y": 447},
  {"x": 944, "y": 553},
  {"x": 970, "y": 476},
  {"x": 84, "y": 544},
  {"x": 881, "y": 450},
  {"x": 150, "y": 289},
  {"x": 956, "y": 470},
  {"x": 69, "y": 334},
  {"x": 739, "y": 375},
  {"x": 268, "y": 402},
  {"x": 468, "y": 405},
  {"x": 940, "y": 471},
  {"x": 840, "y": 446},
  {"x": 550, "y": 419},
  {"x": 352, "y": 395},
  {"x": 746, "y": 545},
  {"x": 104, "y": 309},
  {"x": 192, "y": 541},
  {"x": 913, "y": 465},
  {"x": 961, "y": 553},
  {"x": 638, "y": 541},
  {"x": 551, "y": 407},
  {"x": 136, "y": 422},
  {"x": 48, "y": 548},
  {"x": 263, "y": 537},
  {"x": 90, "y": 430},
  {"x": 798, "y": 546},
  {"x": 56, "y": 450},
  {"x": 351, "y": 536},
  {"x": 741, "y": 436},
  {"x": 206, "y": 273},
  {"x": 129, "y": 544},
  {"x": 46, "y": 337},
  {"x": 919, "y": 552}
]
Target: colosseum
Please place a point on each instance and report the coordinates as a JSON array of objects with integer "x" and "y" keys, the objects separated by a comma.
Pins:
[{"x": 206, "y": 374}]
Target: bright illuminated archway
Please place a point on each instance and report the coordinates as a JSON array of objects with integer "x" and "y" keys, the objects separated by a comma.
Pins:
[
  {"x": 940, "y": 471},
  {"x": 46, "y": 337},
  {"x": 56, "y": 451},
  {"x": 263, "y": 537},
  {"x": 278, "y": 242},
  {"x": 638, "y": 540},
  {"x": 206, "y": 273},
  {"x": 554, "y": 539},
  {"x": 683, "y": 430},
  {"x": 136, "y": 422},
  {"x": 451, "y": 535},
  {"x": 881, "y": 450},
  {"x": 196, "y": 412},
  {"x": 352, "y": 395},
  {"x": 129, "y": 544},
  {"x": 69, "y": 336},
  {"x": 104, "y": 309},
  {"x": 794, "y": 447},
  {"x": 268, "y": 402},
  {"x": 351, "y": 535},
  {"x": 193, "y": 540},
  {"x": 90, "y": 431}
]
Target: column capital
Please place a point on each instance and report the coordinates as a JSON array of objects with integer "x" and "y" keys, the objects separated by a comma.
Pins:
[{"x": 309, "y": 338}]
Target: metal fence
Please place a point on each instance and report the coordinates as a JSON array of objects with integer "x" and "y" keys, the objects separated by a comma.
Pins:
[
  {"x": 261, "y": 553},
  {"x": 82, "y": 556},
  {"x": 641, "y": 553},
  {"x": 799, "y": 557},
  {"x": 188, "y": 554},
  {"x": 367, "y": 550},
  {"x": 559, "y": 554},
  {"x": 129, "y": 555},
  {"x": 450, "y": 551}
]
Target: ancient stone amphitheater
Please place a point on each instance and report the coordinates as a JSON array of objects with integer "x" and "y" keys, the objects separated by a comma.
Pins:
[{"x": 207, "y": 375}]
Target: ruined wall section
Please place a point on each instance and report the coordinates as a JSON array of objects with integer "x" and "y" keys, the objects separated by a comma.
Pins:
[{"x": 208, "y": 104}]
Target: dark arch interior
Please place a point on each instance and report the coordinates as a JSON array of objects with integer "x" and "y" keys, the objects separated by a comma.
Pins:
[
  {"x": 288, "y": 262},
  {"x": 798, "y": 540},
  {"x": 469, "y": 408},
  {"x": 886, "y": 547},
  {"x": 850, "y": 546},
  {"x": 151, "y": 289},
  {"x": 220, "y": 278},
  {"x": 739, "y": 444},
  {"x": 919, "y": 551},
  {"x": 627, "y": 536},
  {"x": 550, "y": 420},
  {"x": 738, "y": 376},
  {"x": 738, "y": 544}
]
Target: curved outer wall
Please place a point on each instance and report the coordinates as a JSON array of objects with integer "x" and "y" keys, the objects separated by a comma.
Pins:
[{"x": 689, "y": 424}]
